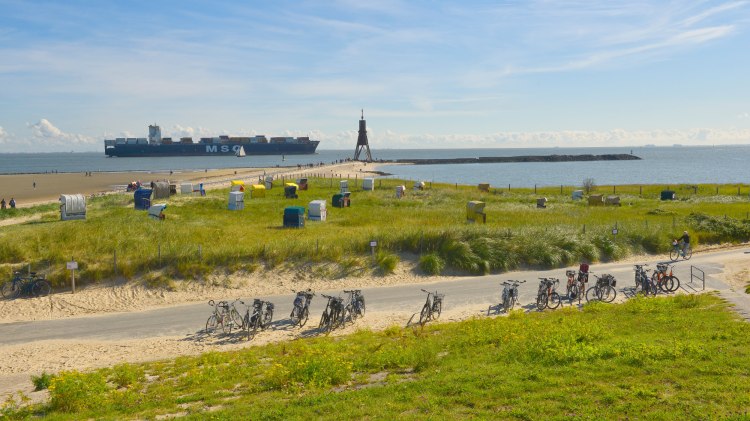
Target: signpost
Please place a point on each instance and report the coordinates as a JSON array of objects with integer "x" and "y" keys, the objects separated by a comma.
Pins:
[
  {"x": 373, "y": 244},
  {"x": 72, "y": 265}
]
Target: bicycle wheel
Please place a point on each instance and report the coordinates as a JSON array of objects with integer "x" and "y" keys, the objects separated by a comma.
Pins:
[
  {"x": 506, "y": 303},
  {"x": 592, "y": 294},
  {"x": 675, "y": 281},
  {"x": 554, "y": 301},
  {"x": 236, "y": 318},
  {"x": 607, "y": 294},
  {"x": 437, "y": 308},
  {"x": 325, "y": 321},
  {"x": 303, "y": 317},
  {"x": 541, "y": 301},
  {"x": 362, "y": 306},
  {"x": 674, "y": 254},
  {"x": 211, "y": 325},
  {"x": 572, "y": 292},
  {"x": 41, "y": 288},
  {"x": 225, "y": 323},
  {"x": 295, "y": 314},
  {"x": 267, "y": 318},
  {"x": 688, "y": 254},
  {"x": 10, "y": 289},
  {"x": 424, "y": 315}
]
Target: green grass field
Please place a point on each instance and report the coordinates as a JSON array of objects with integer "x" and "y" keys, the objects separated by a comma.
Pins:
[
  {"x": 683, "y": 357},
  {"x": 200, "y": 235}
]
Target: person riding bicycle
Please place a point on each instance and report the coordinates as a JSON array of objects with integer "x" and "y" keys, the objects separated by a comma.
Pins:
[{"x": 683, "y": 242}]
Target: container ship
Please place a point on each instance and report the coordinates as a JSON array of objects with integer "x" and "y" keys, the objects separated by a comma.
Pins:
[{"x": 155, "y": 145}]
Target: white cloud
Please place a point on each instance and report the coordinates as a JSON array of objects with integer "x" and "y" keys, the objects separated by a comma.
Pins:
[{"x": 48, "y": 134}]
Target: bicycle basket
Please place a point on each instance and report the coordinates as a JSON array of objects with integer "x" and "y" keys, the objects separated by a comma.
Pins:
[
  {"x": 299, "y": 301},
  {"x": 269, "y": 306},
  {"x": 662, "y": 267},
  {"x": 570, "y": 273},
  {"x": 609, "y": 280}
]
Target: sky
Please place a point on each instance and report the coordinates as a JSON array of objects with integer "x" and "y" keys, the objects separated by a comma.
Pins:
[{"x": 428, "y": 74}]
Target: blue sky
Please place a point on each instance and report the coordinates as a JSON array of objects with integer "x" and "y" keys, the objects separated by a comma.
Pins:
[{"x": 428, "y": 73}]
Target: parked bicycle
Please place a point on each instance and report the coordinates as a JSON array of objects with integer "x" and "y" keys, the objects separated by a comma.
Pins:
[
  {"x": 301, "y": 309},
  {"x": 355, "y": 307},
  {"x": 643, "y": 281},
  {"x": 572, "y": 285},
  {"x": 31, "y": 285},
  {"x": 219, "y": 319},
  {"x": 334, "y": 314},
  {"x": 604, "y": 289},
  {"x": 432, "y": 307},
  {"x": 680, "y": 250},
  {"x": 259, "y": 319},
  {"x": 547, "y": 297},
  {"x": 664, "y": 279},
  {"x": 509, "y": 296}
]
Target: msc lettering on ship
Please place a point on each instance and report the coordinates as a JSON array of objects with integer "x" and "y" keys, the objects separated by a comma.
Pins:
[{"x": 223, "y": 149}]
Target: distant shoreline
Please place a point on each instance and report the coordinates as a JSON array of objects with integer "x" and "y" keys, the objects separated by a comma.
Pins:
[{"x": 523, "y": 158}]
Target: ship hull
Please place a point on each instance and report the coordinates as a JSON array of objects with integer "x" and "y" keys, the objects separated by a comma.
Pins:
[{"x": 208, "y": 149}]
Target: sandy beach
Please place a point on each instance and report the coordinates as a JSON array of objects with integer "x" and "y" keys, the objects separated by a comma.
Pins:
[{"x": 31, "y": 189}]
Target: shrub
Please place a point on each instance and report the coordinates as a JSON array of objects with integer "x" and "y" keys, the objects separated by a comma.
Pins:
[
  {"x": 126, "y": 375},
  {"x": 431, "y": 264},
  {"x": 41, "y": 381},
  {"x": 73, "y": 391},
  {"x": 387, "y": 262}
]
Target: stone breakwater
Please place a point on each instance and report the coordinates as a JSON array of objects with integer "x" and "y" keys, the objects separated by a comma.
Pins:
[{"x": 526, "y": 158}]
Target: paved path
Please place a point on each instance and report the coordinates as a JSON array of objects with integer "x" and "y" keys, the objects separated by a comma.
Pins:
[{"x": 475, "y": 293}]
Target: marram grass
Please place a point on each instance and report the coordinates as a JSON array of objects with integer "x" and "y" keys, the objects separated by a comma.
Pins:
[{"x": 200, "y": 235}]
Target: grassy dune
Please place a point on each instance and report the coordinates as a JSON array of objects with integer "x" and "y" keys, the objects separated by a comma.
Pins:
[
  {"x": 683, "y": 357},
  {"x": 200, "y": 235}
]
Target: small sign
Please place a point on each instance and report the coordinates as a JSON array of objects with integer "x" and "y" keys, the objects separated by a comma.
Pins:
[
  {"x": 72, "y": 265},
  {"x": 614, "y": 231},
  {"x": 373, "y": 243}
]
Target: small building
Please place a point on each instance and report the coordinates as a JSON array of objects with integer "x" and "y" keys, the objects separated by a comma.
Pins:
[
  {"x": 157, "y": 211},
  {"x": 577, "y": 195},
  {"x": 236, "y": 200},
  {"x": 596, "y": 200},
  {"x": 316, "y": 210},
  {"x": 72, "y": 206},
  {"x": 236, "y": 185},
  {"x": 368, "y": 184},
  {"x": 485, "y": 187},
  {"x": 668, "y": 195},
  {"x": 290, "y": 190},
  {"x": 541, "y": 202},
  {"x": 612, "y": 201},
  {"x": 142, "y": 199},
  {"x": 475, "y": 212},
  {"x": 294, "y": 217},
  {"x": 257, "y": 190}
]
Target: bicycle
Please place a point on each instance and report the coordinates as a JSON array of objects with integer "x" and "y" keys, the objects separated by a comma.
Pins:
[
  {"x": 604, "y": 289},
  {"x": 510, "y": 295},
  {"x": 30, "y": 285},
  {"x": 432, "y": 307},
  {"x": 301, "y": 309},
  {"x": 547, "y": 297},
  {"x": 260, "y": 318},
  {"x": 219, "y": 318},
  {"x": 333, "y": 315},
  {"x": 643, "y": 280},
  {"x": 680, "y": 249},
  {"x": 667, "y": 282},
  {"x": 356, "y": 305}
]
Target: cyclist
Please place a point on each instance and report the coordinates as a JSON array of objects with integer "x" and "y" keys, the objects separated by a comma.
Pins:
[{"x": 683, "y": 242}]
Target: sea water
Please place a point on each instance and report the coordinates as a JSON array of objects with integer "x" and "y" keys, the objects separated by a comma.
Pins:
[{"x": 659, "y": 165}]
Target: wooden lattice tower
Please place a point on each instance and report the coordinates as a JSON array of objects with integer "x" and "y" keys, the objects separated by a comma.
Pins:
[{"x": 362, "y": 143}]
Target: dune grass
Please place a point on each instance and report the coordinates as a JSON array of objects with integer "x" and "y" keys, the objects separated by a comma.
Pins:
[
  {"x": 200, "y": 235},
  {"x": 683, "y": 357}
]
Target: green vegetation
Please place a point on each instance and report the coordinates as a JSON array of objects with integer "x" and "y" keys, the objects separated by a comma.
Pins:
[
  {"x": 200, "y": 235},
  {"x": 684, "y": 357}
]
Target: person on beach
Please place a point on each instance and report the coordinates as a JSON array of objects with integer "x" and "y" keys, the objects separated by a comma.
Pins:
[
  {"x": 12, "y": 203},
  {"x": 34, "y": 184},
  {"x": 2, "y": 203}
]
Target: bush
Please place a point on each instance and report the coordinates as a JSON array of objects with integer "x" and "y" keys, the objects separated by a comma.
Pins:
[
  {"x": 431, "y": 264},
  {"x": 42, "y": 381},
  {"x": 387, "y": 262},
  {"x": 73, "y": 391}
]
